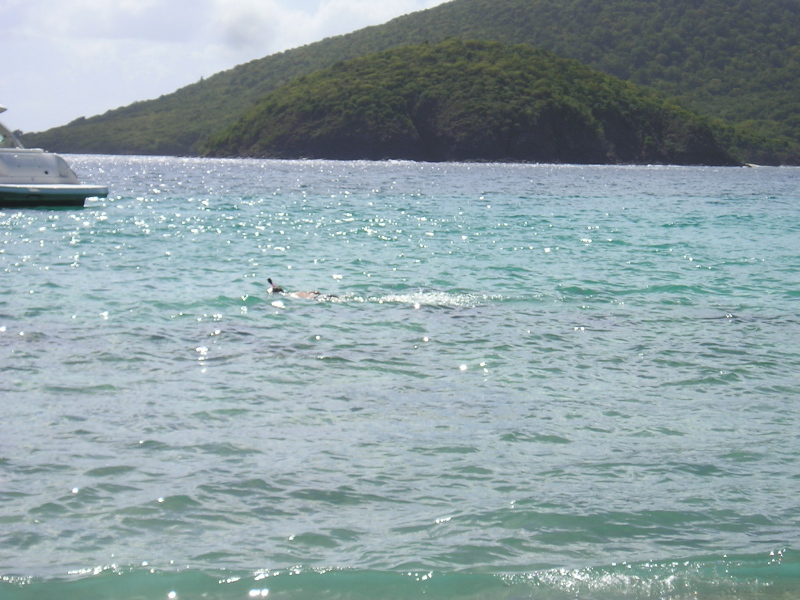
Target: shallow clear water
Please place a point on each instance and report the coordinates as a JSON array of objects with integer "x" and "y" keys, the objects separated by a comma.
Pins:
[{"x": 522, "y": 381}]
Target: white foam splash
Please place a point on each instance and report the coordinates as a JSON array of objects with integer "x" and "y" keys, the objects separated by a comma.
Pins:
[{"x": 420, "y": 299}]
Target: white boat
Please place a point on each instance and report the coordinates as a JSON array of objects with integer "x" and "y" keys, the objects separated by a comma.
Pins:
[{"x": 30, "y": 177}]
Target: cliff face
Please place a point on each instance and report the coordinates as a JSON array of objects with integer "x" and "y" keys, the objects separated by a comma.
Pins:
[{"x": 459, "y": 101}]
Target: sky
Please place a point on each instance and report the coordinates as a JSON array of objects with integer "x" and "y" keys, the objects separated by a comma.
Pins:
[{"x": 64, "y": 59}]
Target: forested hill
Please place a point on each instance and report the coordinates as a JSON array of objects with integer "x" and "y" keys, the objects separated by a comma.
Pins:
[
  {"x": 736, "y": 61},
  {"x": 469, "y": 101}
]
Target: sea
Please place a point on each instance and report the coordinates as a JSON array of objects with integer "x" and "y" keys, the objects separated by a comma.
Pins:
[{"x": 517, "y": 381}]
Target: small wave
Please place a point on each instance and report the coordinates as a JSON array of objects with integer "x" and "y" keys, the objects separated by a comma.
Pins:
[
  {"x": 110, "y": 471},
  {"x": 770, "y": 576}
]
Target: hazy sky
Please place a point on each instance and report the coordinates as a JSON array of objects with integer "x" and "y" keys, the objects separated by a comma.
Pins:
[{"x": 63, "y": 59}]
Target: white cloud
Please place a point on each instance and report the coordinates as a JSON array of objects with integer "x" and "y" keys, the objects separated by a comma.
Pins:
[
  {"x": 248, "y": 25},
  {"x": 63, "y": 60}
]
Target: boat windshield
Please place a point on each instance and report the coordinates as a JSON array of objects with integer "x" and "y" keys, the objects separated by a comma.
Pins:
[{"x": 8, "y": 139}]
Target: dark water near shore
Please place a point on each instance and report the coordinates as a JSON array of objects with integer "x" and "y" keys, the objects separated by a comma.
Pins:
[{"x": 523, "y": 381}]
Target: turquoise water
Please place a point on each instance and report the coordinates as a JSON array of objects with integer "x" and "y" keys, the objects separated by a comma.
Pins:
[{"x": 522, "y": 381}]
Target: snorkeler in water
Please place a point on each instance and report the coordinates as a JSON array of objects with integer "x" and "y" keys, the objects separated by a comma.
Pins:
[{"x": 315, "y": 295}]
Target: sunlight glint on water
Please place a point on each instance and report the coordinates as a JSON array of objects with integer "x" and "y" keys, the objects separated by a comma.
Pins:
[{"x": 518, "y": 381}]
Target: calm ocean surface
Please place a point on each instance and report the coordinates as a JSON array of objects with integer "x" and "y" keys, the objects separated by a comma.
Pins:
[{"x": 533, "y": 382}]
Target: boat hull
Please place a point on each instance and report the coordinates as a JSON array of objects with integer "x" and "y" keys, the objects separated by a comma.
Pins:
[{"x": 45, "y": 195}]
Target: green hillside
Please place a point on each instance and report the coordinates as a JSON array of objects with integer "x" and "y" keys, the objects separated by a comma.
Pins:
[
  {"x": 733, "y": 61},
  {"x": 469, "y": 101}
]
